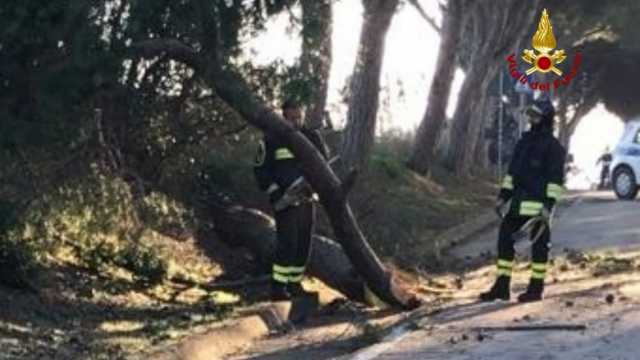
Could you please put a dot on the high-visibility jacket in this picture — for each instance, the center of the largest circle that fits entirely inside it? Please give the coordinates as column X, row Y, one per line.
column 276, row 167
column 536, row 173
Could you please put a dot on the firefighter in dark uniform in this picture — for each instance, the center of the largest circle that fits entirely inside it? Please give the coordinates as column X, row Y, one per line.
column 533, row 185
column 606, row 160
column 277, row 172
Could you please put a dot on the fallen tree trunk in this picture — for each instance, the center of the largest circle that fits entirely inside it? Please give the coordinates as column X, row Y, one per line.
column 333, row 192
column 253, row 229
column 233, row 89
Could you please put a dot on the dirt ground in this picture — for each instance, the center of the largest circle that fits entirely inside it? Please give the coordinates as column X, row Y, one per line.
column 608, row 305
column 74, row 313
column 596, row 292
column 594, row 281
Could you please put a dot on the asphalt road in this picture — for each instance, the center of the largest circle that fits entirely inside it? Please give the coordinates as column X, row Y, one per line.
column 596, row 221
column 576, row 294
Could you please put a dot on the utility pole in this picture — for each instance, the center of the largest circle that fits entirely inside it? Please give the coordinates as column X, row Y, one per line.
column 500, row 121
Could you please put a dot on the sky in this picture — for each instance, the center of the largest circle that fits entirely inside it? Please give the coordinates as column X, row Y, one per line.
column 410, row 58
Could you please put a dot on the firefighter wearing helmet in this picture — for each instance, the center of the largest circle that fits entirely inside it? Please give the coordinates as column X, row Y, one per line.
column 528, row 194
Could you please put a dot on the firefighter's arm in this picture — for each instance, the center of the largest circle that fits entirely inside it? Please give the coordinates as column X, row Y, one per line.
column 554, row 186
column 506, row 187
column 264, row 170
column 316, row 139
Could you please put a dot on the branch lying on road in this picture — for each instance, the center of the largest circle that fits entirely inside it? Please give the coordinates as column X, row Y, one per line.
column 553, row 327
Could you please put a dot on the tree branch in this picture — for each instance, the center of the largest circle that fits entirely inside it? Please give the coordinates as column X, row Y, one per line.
column 173, row 48
column 591, row 32
column 443, row 7
column 430, row 20
column 234, row 131
column 581, row 111
column 349, row 181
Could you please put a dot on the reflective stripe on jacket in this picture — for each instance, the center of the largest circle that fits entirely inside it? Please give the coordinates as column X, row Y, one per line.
column 536, row 173
column 276, row 166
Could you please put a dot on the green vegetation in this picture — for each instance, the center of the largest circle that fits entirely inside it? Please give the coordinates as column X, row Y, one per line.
column 99, row 222
column 402, row 212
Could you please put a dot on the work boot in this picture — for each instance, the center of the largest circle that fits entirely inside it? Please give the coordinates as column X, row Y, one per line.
column 296, row 290
column 279, row 291
column 499, row 291
column 534, row 291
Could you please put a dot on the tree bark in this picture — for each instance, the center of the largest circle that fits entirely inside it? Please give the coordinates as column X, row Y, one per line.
column 425, row 142
column 467, row 124
column 317, row 21
column 481, row 153
column 365, row 85
column 563, row 125
column 497, row 27
column 254, row 230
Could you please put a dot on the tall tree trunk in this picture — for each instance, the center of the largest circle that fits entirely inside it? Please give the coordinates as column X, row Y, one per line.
column 425, row 142
column 481, row 154
column 497, row 28
column 365, row 85
column 563, row 125
column 468, row 122
column 317, row 21
column 468, row 118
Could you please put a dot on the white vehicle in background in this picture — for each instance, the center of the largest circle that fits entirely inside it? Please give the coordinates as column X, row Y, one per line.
column 625, row 167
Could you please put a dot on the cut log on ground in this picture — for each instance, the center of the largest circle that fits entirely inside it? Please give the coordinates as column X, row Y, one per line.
column 255, row 230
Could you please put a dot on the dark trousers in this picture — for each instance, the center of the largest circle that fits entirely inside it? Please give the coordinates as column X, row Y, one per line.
column 604, row 175
column 506, row 250
column 294, row 227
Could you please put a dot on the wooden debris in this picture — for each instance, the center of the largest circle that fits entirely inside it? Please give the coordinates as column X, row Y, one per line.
column 550, row 327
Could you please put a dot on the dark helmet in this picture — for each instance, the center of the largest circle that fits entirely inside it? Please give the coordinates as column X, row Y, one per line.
column 544, row 109
column 290, row 103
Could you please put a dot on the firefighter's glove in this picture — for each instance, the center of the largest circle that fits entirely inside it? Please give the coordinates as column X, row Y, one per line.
column 545, row 214
column 500, row 208
column 275, row 193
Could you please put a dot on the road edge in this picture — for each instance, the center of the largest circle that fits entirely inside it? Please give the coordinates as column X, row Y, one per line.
column 466, row 232
column 227, row 338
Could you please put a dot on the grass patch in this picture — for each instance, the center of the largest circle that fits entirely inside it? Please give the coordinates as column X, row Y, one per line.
column 402, row 212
